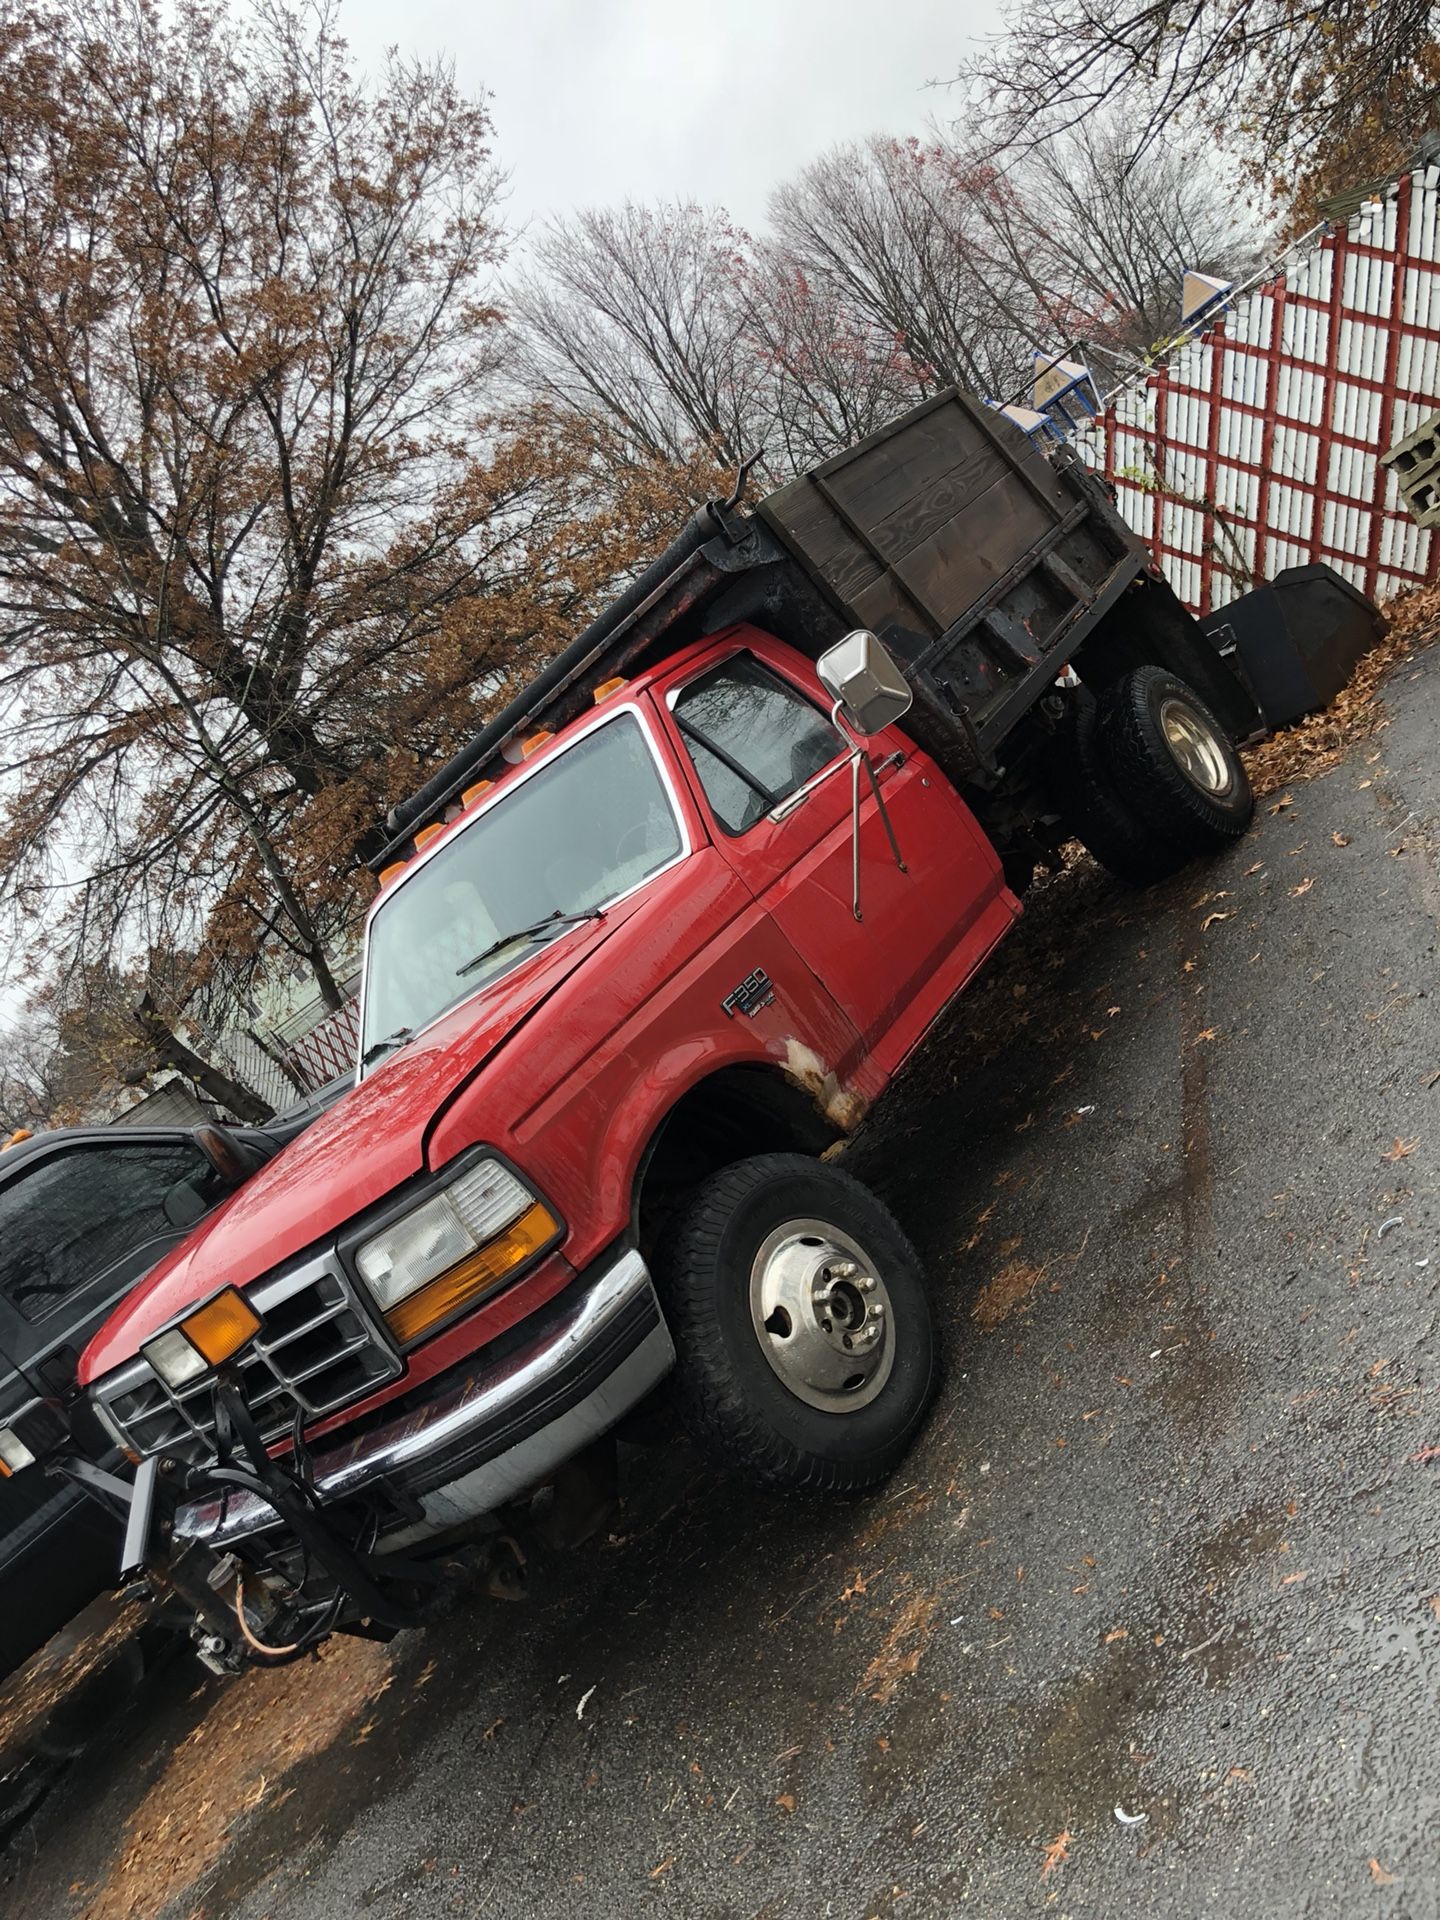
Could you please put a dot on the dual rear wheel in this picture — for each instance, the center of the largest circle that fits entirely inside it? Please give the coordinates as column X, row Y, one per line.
column 1147, row 778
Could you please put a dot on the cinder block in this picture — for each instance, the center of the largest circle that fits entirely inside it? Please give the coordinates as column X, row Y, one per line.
column 1415, row 462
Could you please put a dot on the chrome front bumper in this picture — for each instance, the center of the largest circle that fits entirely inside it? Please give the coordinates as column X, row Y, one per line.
column 501, row 1428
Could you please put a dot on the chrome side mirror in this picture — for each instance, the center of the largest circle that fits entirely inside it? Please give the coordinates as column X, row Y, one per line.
column 869, row 687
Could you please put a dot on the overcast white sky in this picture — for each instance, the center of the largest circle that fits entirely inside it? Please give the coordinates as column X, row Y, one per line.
column 597, row 100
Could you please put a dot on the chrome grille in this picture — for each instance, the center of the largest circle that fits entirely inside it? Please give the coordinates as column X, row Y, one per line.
column 316, row 1351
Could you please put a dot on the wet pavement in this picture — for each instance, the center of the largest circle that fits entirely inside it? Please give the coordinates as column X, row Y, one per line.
column 1150, row 1621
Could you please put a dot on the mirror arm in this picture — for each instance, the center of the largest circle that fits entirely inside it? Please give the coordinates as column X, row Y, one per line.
column 884, row 814
column 859, row 752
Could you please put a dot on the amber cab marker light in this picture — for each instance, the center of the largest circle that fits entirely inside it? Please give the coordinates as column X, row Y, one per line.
column 607, row 687
column 392, row 872
column 427, row 834
column 475, row 1276
column 473, row 793
column 516, row 752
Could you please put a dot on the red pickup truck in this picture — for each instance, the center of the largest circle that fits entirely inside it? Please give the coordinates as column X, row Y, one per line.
column 644, row 951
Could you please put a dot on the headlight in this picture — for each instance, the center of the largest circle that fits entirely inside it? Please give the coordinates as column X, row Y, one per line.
column 37, row 1431
column 454, row 1248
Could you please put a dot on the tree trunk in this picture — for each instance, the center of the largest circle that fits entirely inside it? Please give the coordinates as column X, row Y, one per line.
column 170, row 1051
column 282, row 1062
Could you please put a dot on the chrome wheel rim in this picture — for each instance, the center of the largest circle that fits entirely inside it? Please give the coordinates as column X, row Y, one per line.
column 1194, row 748
column 822, row 1315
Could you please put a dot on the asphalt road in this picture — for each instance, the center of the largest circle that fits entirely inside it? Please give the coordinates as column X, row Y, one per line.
column 1167, row 1547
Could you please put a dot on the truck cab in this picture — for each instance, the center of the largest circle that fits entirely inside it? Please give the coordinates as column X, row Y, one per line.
column 641, row 933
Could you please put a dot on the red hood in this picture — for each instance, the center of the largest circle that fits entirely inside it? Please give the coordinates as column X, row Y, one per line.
column 365, row 1146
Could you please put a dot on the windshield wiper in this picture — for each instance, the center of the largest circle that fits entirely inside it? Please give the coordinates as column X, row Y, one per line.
column 386, row 1045
column 556, row 920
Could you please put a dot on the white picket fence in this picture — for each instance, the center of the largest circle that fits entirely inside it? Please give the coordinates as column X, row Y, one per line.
column 1255, row 445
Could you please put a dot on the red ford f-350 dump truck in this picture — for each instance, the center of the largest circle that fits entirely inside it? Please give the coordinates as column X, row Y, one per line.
column 649, row 945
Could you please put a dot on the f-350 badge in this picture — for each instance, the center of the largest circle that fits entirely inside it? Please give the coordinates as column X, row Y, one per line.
column 755, row 991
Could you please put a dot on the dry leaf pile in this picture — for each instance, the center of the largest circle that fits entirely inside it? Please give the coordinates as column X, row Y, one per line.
column 1010, row 1289
column 258, row 1728
column 1321, row 740
column 31, row 1694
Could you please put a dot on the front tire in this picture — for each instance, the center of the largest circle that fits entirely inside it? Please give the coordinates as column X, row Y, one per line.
column 771, row 1279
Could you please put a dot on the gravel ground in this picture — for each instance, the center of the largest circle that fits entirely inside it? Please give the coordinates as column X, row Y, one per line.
column 1149, row 1621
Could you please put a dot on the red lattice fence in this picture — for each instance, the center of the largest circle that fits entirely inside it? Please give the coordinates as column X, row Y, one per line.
column 1256, row 445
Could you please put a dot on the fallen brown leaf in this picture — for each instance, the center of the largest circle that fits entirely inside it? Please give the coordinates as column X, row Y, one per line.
column 1208, row 1033
column 903, row 1648
column 1379, row 1875
column 1259, row 864
column 1304, row 887
column 1211, row 919
column 1057, row 1853
column 1285, row 800
column 1434, row 1604
column 1340, row 839
column 785, row 1801
column 664, row 1866
column 1424, row 1455
column 1401, row 1150
column 1117, row 1633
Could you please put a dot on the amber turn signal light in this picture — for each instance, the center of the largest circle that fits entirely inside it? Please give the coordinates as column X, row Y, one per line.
column 205, row 1338
column 222, row 1326
column 462, row 1285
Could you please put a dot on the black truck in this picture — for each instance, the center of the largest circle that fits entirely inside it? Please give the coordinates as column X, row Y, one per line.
column 85, row 1212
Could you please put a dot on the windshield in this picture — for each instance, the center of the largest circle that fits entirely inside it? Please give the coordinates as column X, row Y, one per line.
column 580, row 831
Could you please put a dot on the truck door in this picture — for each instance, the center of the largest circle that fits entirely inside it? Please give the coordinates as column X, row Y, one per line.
column 775, row 778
